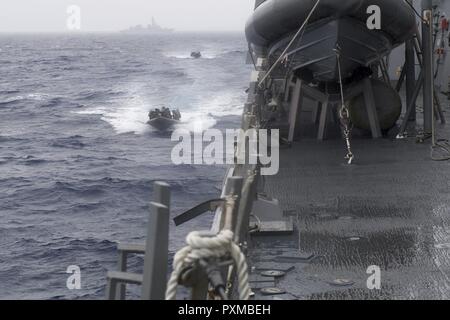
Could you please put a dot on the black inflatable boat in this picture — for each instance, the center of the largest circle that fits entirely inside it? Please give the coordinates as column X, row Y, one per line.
column 164, row 119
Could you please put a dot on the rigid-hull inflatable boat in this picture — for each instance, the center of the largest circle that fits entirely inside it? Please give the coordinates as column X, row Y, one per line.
column 335, row 24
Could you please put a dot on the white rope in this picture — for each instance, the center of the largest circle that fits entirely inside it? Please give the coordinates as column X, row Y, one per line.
column 203, row 247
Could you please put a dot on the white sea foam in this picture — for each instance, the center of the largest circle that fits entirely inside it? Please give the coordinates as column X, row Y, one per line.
column 178, row 55
column 31, row 96
column 132, row 115
column 206, row 54
column 38, row 96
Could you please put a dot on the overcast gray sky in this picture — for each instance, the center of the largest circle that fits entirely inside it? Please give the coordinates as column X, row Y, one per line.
column 112, row 15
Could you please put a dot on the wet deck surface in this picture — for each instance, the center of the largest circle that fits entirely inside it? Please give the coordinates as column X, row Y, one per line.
column 390, row 209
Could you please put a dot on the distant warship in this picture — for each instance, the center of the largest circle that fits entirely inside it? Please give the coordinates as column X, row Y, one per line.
column 153, row 28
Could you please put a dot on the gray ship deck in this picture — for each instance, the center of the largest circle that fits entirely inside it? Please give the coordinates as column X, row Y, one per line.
column 390, row 209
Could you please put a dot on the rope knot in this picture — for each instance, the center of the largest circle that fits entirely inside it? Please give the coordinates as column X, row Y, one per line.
column 204, row 245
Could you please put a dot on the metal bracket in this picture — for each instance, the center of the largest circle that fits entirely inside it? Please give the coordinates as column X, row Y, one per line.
column 193, row 213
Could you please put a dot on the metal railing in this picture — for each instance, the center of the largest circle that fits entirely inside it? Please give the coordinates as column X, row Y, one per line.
column 155, row 252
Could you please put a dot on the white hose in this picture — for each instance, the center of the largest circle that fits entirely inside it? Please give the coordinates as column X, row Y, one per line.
column 204, row 247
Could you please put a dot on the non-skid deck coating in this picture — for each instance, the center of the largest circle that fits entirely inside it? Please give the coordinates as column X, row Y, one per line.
column 390, row 209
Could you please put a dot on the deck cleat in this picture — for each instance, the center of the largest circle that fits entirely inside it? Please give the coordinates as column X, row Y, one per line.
column 272, row 291
column 273, row 273
column 342, row 283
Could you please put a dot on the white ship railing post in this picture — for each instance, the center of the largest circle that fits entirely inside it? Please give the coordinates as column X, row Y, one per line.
column 155, row 251
column 157, row 245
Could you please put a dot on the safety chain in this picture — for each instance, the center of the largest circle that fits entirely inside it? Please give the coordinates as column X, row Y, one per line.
column 344, row 113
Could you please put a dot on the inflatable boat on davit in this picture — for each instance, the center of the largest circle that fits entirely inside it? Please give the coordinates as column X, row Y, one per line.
column 334, row 22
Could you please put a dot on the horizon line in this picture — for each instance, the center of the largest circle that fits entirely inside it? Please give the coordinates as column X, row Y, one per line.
column 116, row 31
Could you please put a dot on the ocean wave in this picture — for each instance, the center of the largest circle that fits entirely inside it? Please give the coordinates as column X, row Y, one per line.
column 62, row 248
column 232, row 54
column 130, row 116
column 71, row 68
column 104, row 192
column 66, row 59
column 86, row 243
column 182, row 55
column 13, row 91
column 21, row 98
column 32, row 161
column 236, row 52
column 82, row 158
column 206, row 111
column 38, row 96
column 98, row 94
column 206, row 54
column 73, row 142
column 187, row 55
column 15, row 181
column 26, row 160
column 53, row 102
column 170, row 73
column 12, row 100
column 10, row 139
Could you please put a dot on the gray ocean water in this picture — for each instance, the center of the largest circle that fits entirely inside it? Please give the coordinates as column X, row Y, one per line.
column 77, row 159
